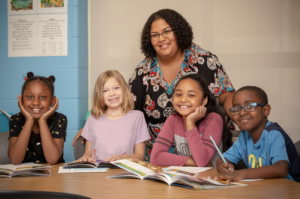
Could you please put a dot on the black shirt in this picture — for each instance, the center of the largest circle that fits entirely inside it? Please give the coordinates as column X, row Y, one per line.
column 57, row 124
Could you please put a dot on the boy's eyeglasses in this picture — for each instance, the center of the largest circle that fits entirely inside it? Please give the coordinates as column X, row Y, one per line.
column 165, row 33
column 248, row 108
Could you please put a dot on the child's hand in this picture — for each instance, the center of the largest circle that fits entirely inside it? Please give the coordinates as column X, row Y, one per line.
column 223, row 169
column 85, row 159
column 230, row 177
column 22, row 109
column 198, row 114
column 46, row 115
column 113, row 158
column 77, row 136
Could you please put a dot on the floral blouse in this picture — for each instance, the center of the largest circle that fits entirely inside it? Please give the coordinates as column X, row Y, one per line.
column 57, row 124
column 153, row 95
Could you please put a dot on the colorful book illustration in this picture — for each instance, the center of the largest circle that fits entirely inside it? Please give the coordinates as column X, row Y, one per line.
column 24, row 170
column 144, row 170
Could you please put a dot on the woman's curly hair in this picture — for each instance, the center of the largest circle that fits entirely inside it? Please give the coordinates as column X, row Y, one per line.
column 182, row 30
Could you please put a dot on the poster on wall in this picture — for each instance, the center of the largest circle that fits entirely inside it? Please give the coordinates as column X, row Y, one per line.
column 52, row 35
column 23, row 7
column 52, row 6
column 37, row 28
column 22, row 37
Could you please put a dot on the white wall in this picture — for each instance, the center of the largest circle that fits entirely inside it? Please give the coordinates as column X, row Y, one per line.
column 257, row 41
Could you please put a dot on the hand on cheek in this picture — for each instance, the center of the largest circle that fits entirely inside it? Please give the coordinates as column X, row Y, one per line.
column 22, row 109
column 52, row 110
column 198, row 114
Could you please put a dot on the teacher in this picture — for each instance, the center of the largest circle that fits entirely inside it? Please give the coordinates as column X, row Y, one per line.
column 170, row 54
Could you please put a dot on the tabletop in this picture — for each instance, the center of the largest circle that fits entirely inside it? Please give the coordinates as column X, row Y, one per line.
column 96, row 185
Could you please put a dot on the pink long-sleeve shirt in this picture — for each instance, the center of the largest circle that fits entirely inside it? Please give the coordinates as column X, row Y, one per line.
column 194, row 143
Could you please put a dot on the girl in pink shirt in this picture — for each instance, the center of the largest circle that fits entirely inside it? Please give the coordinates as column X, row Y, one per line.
column 198, row 116
column 113, row 130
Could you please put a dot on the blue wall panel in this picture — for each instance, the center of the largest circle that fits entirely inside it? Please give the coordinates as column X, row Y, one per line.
column 71, row 72
column 10, row 105
column 3, row 24
column 83, row 52
column 5, row 61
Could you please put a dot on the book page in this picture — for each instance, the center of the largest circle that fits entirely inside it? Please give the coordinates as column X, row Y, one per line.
column 81, row 170
column 187, row 171
column 33, row 172
column 134, row 167
column 5, row 172
column 202, row 183
column 14, row 167
column 83, row 164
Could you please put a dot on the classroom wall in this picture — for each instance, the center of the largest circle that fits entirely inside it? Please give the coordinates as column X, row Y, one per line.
column 71, row 72
column 257, row 41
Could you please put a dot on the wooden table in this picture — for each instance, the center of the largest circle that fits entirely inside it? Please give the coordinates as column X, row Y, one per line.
column 96, row 185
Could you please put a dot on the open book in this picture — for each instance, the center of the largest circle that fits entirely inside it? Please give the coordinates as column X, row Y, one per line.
column 85, row 164
column 24, row 170
column 86, row 167
column 144, row 170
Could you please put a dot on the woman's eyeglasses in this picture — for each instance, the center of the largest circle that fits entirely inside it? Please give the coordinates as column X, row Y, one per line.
column 248, row 108
column 165, row 33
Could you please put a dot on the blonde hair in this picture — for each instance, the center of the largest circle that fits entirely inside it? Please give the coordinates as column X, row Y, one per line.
column 99, row 107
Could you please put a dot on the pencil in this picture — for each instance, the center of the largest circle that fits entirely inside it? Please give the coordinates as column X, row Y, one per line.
column 219, row 151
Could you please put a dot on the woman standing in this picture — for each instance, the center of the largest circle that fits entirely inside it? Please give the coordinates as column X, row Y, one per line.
column 166, row 42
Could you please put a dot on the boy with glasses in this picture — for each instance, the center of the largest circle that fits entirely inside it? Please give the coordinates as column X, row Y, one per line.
column 265, row 148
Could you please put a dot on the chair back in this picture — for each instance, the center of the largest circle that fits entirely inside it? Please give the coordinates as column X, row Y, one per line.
column 235, row 135
column 4, row 159
column 78, row 149
column 297, row 145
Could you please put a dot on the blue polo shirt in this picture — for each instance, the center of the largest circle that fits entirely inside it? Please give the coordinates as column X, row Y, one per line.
column 269, row 149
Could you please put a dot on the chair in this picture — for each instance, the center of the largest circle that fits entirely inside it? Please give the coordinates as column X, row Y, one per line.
column 4, row 159
column 39, row 194
column 297, row 145
column 78, row 149
column 235, row 135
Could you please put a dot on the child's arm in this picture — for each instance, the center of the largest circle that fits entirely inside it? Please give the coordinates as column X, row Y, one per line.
column 139, row 153
column 87, row 156
column 18, row 145
column 77, row 136
column 277, row 170
column 52, row 148
column 277, row 154
column 160, row 153
column 201, row 147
